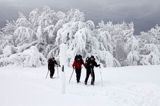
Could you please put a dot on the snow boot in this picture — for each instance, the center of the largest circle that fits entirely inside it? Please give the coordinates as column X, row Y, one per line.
column 78, row 81
column 92, row 83
column 85, row 83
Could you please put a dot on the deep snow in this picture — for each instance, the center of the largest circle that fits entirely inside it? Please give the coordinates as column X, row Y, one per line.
column 126, row 86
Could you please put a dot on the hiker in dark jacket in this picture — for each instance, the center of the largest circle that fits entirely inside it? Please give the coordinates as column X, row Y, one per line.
column 90, row 63
column 51, row 66
column 77, row 65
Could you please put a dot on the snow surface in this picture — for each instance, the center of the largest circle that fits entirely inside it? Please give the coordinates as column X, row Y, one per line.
column 126, row 86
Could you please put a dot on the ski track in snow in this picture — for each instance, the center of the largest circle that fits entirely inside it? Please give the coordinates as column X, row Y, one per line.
column 127, row 86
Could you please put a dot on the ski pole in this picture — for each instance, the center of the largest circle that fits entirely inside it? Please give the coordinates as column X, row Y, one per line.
column 47, row 74
column 92, row 73
column 57, row 72
column 63, row 79
column 71, row 75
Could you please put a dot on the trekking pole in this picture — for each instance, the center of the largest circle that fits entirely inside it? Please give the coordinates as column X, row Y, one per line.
column 57, row 72
column 47, row 74
column 63, row 79
column 71, row 75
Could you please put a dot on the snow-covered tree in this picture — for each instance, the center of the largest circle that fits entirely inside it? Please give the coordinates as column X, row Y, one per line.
column 74, row 35
column 75, row 15
column 8, row 50
column 33, row 17
column 10, row 27
column 133, row 58
column 150, row 37
column 8, row 31
column 149, row 46
column 1, row 40
column 33, row 58
column 119, row 38
column 22, row 21
column 23, row 35
column 152, row 56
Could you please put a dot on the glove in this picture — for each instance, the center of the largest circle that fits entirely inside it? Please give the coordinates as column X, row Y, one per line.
column 99, row 65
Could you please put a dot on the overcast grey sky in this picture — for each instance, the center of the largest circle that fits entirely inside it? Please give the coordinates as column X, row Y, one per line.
column 144, row 13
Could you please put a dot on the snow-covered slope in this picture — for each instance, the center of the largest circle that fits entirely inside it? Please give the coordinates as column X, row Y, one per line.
column 127, row 86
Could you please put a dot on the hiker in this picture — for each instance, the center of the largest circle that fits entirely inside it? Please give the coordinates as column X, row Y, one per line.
column 77, row 65
column 51, row 66
column 90, row 63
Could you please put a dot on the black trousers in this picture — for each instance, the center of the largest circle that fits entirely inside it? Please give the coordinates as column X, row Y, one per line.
column 90, row 72
column 78, row 74
column 52, row 73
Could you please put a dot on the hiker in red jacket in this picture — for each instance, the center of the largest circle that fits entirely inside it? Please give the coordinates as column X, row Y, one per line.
column 77, row 65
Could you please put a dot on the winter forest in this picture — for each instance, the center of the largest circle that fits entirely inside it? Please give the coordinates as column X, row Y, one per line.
column 30, row 40
column 123, row 67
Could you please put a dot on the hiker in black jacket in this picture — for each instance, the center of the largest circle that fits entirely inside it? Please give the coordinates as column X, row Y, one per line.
column 51, row 66
column 90, row 63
